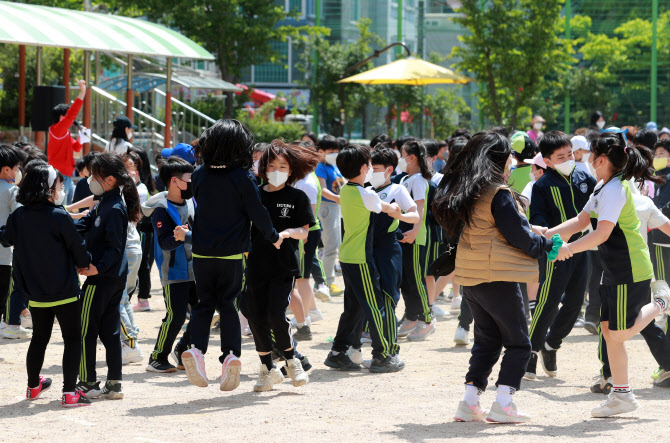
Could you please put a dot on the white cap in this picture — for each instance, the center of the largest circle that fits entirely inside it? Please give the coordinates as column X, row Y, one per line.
column 579, row 142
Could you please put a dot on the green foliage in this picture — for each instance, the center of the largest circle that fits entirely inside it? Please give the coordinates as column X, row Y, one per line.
column 512, row 48
column 265, row 128
column 448, row 112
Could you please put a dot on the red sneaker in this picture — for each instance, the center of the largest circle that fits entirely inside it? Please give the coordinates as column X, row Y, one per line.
column 34, row 393
column 75, row 400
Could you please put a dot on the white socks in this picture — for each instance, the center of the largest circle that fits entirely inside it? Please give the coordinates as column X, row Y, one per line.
column 472, row 394
column 504, row 396
column 547, row 347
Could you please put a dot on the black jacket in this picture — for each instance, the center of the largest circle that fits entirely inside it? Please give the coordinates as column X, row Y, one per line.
column 228, row 201
column 557, row 199
column 106, row 229
column 47, row 251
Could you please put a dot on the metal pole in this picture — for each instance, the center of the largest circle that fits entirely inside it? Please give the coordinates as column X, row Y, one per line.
column 66, row 73
column 482, row 86
column 129, row 88
column 22, row 89
column 315, row 70
column 39, row 135
column 421, row 50
column 568, row 36
column 399, row 53
column 168, row 105
column 87, row 98
column 654, row 61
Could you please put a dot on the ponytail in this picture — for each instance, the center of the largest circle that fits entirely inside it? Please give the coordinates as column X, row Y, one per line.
column 634, row 162
column 108, row 164
column 417, row 149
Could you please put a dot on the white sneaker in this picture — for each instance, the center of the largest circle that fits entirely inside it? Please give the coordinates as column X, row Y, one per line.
column 315, row 315
column 510, row 414
column 131, row 355
column 407, row 327
column 366, row 363
column 3, row 325
column 230, row 373
column 16, row 332
column 462, row 337
column 455, row 305
column 438, row 312
column 267, row 379
column 295, row 371
column 323, row 293
column 450, row 296
column 616, row 404
column 660, row 291
column 27, row 321
column 355, row 355
column 465, row 412
column 246, row 331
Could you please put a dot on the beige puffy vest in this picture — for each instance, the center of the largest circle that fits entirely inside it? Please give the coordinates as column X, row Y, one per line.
column 483, row 254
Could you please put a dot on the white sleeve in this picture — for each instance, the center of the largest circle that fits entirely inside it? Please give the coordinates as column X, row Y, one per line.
column 418, row 188
column 404, row 200
column 611, row 202
column 371, row 200
column 309, row 188
column 437, row 178
column 527, row 191
column 588, row 207
column 656, row 217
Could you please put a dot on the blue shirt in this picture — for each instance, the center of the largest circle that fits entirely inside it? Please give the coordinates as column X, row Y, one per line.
column 333, row 178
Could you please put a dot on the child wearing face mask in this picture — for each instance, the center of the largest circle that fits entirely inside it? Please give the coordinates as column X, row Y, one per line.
column 271, row 271
column 172, row 215
column 106, row 229
column 42, row 226
column 560, row 195
column 10, row 177
column 581, row 151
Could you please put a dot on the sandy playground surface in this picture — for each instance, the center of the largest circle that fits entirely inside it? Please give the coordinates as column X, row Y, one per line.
column 416, row 404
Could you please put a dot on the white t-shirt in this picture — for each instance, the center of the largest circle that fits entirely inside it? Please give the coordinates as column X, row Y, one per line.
column 119, row 148
column 371, row 200
column 528, row 191
column 416, row 185
column 398, row 194
column 650, row 216
column 608, row 203
column 308, row 186
column 437, row 178
column 142, row 191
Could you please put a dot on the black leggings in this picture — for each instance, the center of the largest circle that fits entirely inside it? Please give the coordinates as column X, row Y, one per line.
column 144, row 273
column 69, row 319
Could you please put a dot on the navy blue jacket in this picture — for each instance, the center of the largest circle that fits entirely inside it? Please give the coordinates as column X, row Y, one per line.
column 106, row 229
column 662, row 202
column 228, row 202
column 557, row 199
column 47, row 251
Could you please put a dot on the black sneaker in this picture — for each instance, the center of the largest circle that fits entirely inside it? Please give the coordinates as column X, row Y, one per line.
column 591, row 326
column 303, row 334
column 388, row 364
column 602, row 385
column 112, row 391
column 531, row 369
column 90, row 390
column 176, row 356
column 160, row 366
column 341, row 362
column 549, row 362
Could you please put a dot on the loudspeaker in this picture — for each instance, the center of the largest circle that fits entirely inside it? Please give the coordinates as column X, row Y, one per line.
column 45, row 98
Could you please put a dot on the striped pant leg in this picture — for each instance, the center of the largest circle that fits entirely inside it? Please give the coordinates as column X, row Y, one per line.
column 176, row 304
column 90, row 311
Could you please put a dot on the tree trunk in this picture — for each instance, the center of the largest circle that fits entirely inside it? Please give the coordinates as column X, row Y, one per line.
column 230, row 97
column 492, row 89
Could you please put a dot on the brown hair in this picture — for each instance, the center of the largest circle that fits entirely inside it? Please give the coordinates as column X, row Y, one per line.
column 133, row 157
column 301, row 160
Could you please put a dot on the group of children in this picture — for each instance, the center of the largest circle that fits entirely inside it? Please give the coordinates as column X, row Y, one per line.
column 234, row 228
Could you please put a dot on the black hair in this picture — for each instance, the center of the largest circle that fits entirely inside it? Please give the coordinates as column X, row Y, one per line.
column 384, row 156
column 343, row 142
column 118, row 134
column 9, row 156
column 88, row 158
column 416, row 148
column 633, row 162
column 461, row 132
column 301, row 160
column 145, row 171
column 33, row 152
column 327, row 142
column 592, row 136
column 646, row 138
column 32, row 164
column 228, row 143
column 397, row 143
column 502, row 130
column 58, row 111
column 432, row 146
column 109, row 164
column 665, row 144
column 381, row 138
column 312, row 136
column 595, row 117
column 35, row 187
column 467, row 176
column 351, row 159
column 174, row 167
column 553, row 140
column 80, row 165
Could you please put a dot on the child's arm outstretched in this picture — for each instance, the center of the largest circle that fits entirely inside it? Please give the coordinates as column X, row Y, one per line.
column 76, row 244
column 296, row 233
column 570, row 227
column 257, row 213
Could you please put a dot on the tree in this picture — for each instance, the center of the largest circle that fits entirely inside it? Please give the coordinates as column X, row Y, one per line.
column 512, row 48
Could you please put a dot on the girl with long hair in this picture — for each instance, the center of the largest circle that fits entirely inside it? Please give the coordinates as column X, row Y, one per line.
column 496, row 251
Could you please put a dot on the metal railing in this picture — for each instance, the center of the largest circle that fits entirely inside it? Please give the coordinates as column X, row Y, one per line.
column 187, row 122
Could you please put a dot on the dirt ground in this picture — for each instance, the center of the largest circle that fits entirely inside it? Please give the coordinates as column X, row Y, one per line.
column 416, row 404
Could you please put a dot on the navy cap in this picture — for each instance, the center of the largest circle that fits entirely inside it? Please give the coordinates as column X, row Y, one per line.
column 124, row 122
column 182, row 150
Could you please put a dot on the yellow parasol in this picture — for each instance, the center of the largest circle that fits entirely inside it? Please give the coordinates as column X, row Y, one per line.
column 408, row 71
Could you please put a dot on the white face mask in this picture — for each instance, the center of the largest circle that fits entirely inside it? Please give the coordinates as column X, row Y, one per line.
column 565, row 168
column 60, row 197
column 600, row 125
column 537, row 126
column 402, row 165
column 532, row 177
column 254, row 168
column 277, row 178
column 514, row 163
column 378, row 179
column 18, row 177
column 585, row 157
column 368, row 175
column 95, row 187
column 331, row 159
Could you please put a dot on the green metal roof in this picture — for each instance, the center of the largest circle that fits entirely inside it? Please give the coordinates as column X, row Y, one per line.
column 36, row 25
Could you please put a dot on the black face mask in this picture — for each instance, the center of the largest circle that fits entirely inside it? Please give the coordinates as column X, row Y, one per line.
column 188, row 192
